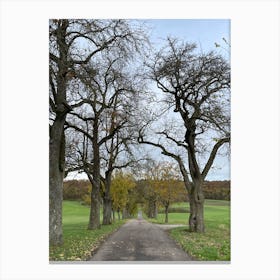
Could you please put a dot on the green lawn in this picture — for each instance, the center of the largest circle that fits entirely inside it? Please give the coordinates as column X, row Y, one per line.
column 214, row 244
column 78, row 241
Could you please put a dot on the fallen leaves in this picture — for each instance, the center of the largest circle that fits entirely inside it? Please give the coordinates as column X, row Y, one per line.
column 79, row 243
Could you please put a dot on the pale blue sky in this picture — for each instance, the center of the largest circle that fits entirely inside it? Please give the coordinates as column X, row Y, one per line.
column 204, row 32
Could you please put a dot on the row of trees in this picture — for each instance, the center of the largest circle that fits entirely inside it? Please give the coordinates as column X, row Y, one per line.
column 99, row 110
column 161, row 187
column 143, row 192
column 92, row 100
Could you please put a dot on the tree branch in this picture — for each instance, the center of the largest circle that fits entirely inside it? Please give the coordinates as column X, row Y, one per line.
column 164, row 151
column 69, row 125
column 178, row 143
column 81, row 118
column 53, row 57
column 213, row 155
column 112, row 133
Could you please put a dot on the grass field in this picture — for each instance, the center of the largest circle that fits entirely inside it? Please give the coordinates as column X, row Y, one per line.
column 214, row 244
column 78, row 241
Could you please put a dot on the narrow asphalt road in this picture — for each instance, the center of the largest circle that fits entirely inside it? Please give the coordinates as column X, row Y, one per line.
column 139, row 240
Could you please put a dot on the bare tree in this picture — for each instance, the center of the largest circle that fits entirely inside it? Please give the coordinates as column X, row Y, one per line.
column 102, row 117
column 75, row 43
column 118, row 155
column 197, row 86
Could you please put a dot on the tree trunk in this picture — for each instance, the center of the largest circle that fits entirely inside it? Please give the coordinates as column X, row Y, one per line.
column 119, row 217
column 196, row 218
column 57, row 141
column 124, row 213
column 107, row 211
column 152, row 209
column 156, row 210
column 166, row 213
column 107, row 201
column 113, row 214
column 94, row 218
column 56, row 175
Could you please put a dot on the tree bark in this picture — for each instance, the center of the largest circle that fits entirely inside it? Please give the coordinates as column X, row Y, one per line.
column 119, row 217
column 166, row 213
column 57, row 140
column 107, row 211
column 94, row 217
column 196, row 218
column 107, row 201
column 56, row 175
column 152, row 209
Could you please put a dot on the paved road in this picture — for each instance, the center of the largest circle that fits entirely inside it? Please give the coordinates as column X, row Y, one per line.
column 139, row 240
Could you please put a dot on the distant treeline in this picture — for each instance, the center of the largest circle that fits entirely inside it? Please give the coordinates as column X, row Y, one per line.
column 80, row 189
column 217, row 190
column 75, row 189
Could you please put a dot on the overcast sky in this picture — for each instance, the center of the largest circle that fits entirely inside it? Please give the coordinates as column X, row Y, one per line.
column 205, row 33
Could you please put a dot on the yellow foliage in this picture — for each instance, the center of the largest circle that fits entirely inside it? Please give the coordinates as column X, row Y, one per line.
column 121, row 185
column 166, row 182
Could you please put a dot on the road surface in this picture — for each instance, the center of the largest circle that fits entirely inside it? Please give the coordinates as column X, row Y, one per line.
column 139, row 240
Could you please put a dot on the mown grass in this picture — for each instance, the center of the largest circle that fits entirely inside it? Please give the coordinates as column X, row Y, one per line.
column 78, row 241
column 214, row 244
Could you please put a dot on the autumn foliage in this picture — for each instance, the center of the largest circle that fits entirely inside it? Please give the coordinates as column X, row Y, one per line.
column 75, row 189
column 121, row 193
column 219, row 190
column 79, row 190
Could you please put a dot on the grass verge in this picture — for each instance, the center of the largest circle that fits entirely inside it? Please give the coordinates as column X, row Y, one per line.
column 214, row 244
column 79, row 243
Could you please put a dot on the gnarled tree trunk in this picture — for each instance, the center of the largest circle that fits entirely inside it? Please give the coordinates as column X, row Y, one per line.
column 56, row 175
column 196, row 218
column 57, row 137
